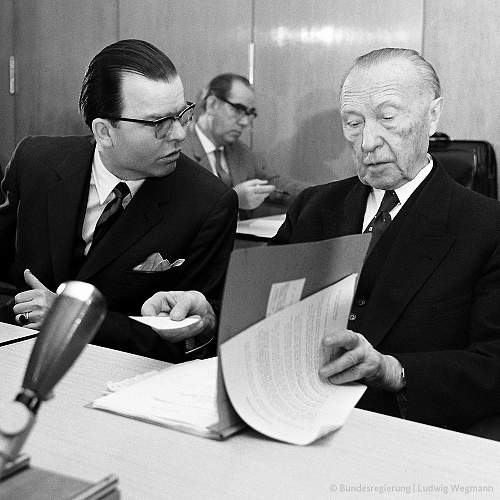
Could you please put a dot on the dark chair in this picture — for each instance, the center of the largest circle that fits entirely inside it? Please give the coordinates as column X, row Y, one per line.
column 471, row 163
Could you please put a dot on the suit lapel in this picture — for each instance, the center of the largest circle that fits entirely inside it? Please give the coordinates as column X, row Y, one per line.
column 196, row 149
column 417, row 250
column 143, row 213
column 349, row 220
column 67, row 190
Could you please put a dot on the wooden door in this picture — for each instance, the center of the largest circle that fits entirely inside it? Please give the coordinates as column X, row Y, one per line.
column 55, row 41
column 7, row 117
column 203, row 38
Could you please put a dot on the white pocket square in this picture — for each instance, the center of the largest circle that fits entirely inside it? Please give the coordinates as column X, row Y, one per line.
column 156, row 263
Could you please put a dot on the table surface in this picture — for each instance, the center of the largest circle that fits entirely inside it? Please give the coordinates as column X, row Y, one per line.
column 370, row 451
column 12, row 333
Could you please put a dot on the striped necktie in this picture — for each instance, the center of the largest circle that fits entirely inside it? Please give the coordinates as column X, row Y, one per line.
column 382, row 218
column 111, row 212
column 224, row 176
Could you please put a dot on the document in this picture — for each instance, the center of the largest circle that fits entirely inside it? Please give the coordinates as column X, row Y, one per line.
column 164, row 323
column 271, row 369
column 12, row 333
column 181, row 397
column 261, row 227
column 279, row 302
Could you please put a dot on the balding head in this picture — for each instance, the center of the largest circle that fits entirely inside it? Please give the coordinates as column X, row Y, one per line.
column 390, row 104
column 428, row 78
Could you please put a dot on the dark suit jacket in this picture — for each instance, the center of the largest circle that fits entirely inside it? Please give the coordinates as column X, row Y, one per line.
column 435, row 301
column 245, row 165
column 189, row 214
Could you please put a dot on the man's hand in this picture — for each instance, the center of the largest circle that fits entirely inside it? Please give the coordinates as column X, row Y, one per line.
column 252, row 193
column 357, row 360
column 179, row 305
column 32, row 305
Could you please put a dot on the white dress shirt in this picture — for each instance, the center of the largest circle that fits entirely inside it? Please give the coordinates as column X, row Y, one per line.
column 209, row 147
column 102, row 183
column 404, row 192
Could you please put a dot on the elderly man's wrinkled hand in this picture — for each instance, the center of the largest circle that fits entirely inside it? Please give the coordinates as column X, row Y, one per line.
column 355, row 359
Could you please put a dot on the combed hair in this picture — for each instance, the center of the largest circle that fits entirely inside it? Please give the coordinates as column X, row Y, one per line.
column 101, row 87
column 424, row 68
column 220, row 86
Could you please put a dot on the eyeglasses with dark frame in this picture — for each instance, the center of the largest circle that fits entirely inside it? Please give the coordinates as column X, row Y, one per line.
column 163, row 126
column 241, row 109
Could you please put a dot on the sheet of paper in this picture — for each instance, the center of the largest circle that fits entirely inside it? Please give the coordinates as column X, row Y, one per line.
column 9, row 333
column 271, row 369
column 284, row 294
column 182, row 397
column 160, row 323
column 262, row 227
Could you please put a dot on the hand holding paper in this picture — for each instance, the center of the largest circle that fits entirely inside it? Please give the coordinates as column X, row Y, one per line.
column 179, row 305
column 359, row 360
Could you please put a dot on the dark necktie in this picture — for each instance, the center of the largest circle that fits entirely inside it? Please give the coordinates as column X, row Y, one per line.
column 382, row 218
column 111, row 212
column 224, row 176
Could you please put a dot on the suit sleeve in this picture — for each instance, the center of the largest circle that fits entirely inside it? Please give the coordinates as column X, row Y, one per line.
column 456, row 388
column 286, row 231
column 210, row 250
column 8, row 214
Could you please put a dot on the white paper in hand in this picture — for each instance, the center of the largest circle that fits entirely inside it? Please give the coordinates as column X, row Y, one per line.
column 164, row 323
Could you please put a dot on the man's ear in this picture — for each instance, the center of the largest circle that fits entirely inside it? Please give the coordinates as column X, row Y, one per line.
column 211, row 104
column 103, row 133
column 435, row 110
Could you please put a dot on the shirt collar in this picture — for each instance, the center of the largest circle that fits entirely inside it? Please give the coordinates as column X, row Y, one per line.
column 406, row 190
column 206, row 143
column 105, row 181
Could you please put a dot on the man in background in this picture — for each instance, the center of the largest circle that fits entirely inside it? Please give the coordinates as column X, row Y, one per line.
column 424, row 328
column 122, row 209
column 227, row 110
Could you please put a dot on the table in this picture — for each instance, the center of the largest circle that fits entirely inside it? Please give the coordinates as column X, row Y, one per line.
column 370, row 451
column 12, row 333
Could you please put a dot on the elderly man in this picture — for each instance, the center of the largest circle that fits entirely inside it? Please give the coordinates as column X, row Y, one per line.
column 424, row 329
column 228, row 108
column 122, row 209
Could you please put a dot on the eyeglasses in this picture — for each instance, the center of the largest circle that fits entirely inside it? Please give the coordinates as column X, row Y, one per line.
column 240, row 109
column 163, row 126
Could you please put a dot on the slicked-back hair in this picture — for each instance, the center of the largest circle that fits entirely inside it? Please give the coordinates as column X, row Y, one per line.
column 220, row 86
column 423, row 67
column 101, row 93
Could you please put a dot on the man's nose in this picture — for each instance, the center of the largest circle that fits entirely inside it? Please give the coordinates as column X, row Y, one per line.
column 244, row 120
column 371, row 137
column 177, row 132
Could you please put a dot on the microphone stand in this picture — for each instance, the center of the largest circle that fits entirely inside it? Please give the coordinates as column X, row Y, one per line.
column 69, row 326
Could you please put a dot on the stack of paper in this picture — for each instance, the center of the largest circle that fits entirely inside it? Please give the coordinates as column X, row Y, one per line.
column 270, row 350
column 181, row 397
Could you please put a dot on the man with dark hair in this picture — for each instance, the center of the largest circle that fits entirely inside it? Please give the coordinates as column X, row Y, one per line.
column 424, row 328
column 227, row 109
column 122, row 209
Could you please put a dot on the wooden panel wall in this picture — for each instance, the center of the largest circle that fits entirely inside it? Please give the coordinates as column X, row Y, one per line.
column 54, row 40
column 6, row 100
column 303, row 48
column 202, row 38
column 462, row 41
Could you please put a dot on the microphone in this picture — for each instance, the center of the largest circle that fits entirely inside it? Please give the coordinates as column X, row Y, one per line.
column 69, row 326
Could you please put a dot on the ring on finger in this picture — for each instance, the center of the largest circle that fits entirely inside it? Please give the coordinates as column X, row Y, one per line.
column 24, row 318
